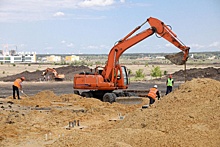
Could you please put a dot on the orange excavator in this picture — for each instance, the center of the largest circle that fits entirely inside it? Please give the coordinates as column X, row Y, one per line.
column 103, row 82
column 56, row 76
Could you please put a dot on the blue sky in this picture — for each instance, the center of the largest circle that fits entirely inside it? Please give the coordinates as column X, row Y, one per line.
column 93, row 26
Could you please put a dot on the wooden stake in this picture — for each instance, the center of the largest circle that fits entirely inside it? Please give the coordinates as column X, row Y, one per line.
column 185, row 71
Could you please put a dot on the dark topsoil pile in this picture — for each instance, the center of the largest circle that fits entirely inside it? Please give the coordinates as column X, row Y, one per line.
column 210, row 72
column 69, row 71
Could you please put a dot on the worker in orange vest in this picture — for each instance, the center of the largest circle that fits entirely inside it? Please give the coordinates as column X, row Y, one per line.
column 17, row 86
column 153, row 94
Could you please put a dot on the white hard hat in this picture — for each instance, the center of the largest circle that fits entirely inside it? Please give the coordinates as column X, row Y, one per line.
column 23, row 78
column 155, row 86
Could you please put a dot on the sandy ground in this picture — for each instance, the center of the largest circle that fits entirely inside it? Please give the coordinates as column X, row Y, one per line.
column 189, row 116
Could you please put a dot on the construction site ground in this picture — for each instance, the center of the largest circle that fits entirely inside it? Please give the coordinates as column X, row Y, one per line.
column 50, row 115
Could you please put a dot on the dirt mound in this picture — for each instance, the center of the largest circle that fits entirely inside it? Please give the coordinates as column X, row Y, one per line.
column 210, row 72
column 189, row 116
column 68, row 71
column 28, row 120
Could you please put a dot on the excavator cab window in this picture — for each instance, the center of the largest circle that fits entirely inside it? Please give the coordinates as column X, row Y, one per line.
column 125, row 75
column 100, row 71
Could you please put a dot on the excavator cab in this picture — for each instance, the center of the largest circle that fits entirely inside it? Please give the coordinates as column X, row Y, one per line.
column 122, row 78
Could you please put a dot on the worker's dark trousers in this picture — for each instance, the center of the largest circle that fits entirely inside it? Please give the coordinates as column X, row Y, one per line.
column 151, row 100
column 169, row 89
column 14, row 90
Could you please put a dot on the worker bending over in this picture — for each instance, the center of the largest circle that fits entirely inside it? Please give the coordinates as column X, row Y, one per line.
column 153, row 93
column 17, row 86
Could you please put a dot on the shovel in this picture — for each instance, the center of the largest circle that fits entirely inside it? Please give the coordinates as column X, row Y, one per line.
column 24, row 93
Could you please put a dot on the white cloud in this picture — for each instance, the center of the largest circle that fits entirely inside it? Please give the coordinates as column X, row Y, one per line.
column 32, row 10
column 70, row 45
column 198, row 46
column 99, row 47
column 169, row 45
column 58, row 14
column 48, row 48
column 214, row 44
column 92, row 3
column 63, row 41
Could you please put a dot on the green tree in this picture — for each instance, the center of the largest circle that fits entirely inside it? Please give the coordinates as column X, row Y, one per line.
column 98, row 62
column 129, row 72
column 139, row 73
column 156, row 72
column 165, row 72
column 146, row 64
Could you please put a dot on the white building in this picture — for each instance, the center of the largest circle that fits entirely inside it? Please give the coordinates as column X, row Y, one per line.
column 20, row 58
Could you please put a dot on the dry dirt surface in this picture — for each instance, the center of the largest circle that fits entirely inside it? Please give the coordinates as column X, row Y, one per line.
column 188, row 116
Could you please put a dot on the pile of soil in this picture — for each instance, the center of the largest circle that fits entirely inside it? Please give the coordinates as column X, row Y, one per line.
column 26, row 122
column 188, row 116
column 68, row 71
column 209, row 72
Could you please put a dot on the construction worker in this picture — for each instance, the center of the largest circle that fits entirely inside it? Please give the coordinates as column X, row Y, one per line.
column 153, row 93
column 169, row 83
column 17, row 86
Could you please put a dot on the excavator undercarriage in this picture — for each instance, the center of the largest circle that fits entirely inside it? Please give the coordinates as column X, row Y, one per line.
column 121, row 96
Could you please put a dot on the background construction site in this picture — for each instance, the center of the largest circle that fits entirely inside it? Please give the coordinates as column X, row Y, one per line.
column 186, row 117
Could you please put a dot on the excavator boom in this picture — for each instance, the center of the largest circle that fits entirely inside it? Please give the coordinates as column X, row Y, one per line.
column 157, row 27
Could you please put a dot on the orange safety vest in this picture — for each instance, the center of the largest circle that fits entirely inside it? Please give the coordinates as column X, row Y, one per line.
column 17, row 83
column 153, row 93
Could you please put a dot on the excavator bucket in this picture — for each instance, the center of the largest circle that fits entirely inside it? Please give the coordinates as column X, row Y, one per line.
column 133, row 100
column 176, row 58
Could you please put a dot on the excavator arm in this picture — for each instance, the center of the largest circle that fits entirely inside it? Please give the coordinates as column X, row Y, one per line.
column 157, row 27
